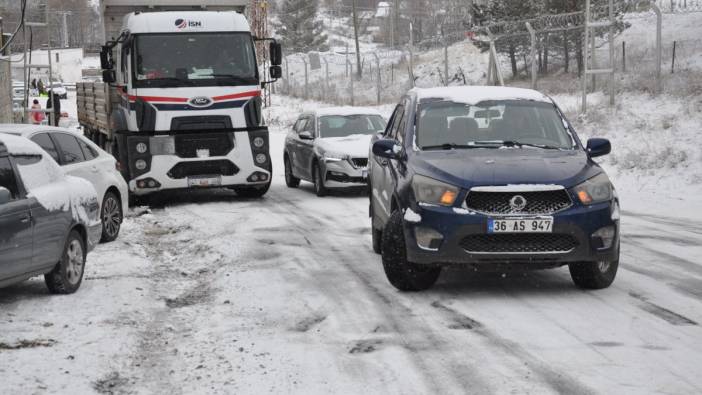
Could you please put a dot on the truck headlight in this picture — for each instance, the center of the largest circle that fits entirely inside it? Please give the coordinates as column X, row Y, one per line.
column 429, row 190
column 330, row 156
column 162, row 145
column 140, row 164
column 258, row 142
column 598, row 189
column 261, row 159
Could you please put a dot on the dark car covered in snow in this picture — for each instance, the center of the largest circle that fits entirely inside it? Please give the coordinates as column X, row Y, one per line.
column 490, row 178
column 48, row 221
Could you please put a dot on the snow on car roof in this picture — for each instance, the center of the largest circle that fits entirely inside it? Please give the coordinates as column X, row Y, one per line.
column 24, row 129
column 347, row 110
column 477, row 94
column 16, row 145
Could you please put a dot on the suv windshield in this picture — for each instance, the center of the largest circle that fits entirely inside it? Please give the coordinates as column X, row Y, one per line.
column 198, row 59
column 346, row 125
column 493, row 124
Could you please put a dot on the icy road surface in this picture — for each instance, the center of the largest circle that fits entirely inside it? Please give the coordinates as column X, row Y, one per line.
column 215, row 294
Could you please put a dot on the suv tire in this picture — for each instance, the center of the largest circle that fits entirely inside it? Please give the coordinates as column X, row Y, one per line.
column 403, row 275
column 290, row 180
column 111, row 215
column 67, row 275
column 593, row 275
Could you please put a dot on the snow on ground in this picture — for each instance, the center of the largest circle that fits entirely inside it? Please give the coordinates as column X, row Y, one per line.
column 210, row 293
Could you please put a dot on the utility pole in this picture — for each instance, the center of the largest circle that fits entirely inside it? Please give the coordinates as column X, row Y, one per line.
column 355, row 32
column 64, row 27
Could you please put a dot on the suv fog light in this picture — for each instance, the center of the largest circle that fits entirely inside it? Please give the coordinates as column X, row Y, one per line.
column 605, row 236
column 428, row 238
column 261, row 159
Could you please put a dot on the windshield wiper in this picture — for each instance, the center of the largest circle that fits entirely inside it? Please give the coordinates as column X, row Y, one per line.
column 512, row 143
column 236, row 78
column 449, row 146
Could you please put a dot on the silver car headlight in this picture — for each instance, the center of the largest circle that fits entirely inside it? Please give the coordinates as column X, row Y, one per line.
column 331, row 156
column 429, row 190
column 597, row 189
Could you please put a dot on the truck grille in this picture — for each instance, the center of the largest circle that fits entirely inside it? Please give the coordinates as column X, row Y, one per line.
column 219, row 144
column 537, row 203
column 203, row 168
column 359, row 162
column 519, row 243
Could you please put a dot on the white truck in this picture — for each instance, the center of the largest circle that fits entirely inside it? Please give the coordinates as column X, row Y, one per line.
column 180, row 105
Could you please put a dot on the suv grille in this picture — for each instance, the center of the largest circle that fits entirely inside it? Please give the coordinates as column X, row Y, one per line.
column 541, row 202
column 519, row 243
column 359, row 162
column 219, row 144
column 203, row 168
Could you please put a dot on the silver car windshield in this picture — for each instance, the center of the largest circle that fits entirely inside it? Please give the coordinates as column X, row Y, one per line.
column 346, row 125
column 493, row 124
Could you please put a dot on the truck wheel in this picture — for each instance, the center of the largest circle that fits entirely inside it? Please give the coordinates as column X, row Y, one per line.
column 319, row 187
column 252, row 192
column 111, row 217
column 67, row 275
column 290, row 180
column 593, row 275
column 403, row 275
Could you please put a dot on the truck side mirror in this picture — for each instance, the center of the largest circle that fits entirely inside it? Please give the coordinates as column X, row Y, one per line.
column 108, row 76
column 276, row 54
column 106, row 62
column 275, row 72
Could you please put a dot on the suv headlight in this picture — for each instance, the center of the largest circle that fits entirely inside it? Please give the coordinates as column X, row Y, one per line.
column 598, row 189
column 429, row 190
column 331, row 156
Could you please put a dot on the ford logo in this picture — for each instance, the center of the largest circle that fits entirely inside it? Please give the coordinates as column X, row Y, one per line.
column 200, row 101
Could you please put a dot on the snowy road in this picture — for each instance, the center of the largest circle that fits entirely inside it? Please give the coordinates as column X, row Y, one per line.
column 214, row 294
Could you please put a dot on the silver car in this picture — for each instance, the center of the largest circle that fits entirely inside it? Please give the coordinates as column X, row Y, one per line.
column 329, row 147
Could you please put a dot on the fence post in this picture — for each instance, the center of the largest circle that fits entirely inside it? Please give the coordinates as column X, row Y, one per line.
column 583, row 77
column 287, row 76
column 532, row 35
column 593, row 57
column 307, row 92
column 446, row 65
column 624, row 56
column 411, row 54
column 347, row 60
column 377, row 80
column 351, row 78
column 672, row 67
column 326, row 78
column 659, row 46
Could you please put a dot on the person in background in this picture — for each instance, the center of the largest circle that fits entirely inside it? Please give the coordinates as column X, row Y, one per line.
column 40, row 87
column 37, row 117
column 54, row 103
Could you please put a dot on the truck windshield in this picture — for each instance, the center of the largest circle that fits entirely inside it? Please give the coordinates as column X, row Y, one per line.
column 197, row 59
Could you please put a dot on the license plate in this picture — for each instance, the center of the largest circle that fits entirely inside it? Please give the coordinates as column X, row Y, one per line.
column 204, row 181
column 521, row 225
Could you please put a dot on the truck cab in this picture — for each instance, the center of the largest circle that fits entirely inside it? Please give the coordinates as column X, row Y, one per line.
column 186, row 102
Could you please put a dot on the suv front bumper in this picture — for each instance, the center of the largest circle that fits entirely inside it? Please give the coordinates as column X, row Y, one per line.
column 577, row 224
column 342, row 174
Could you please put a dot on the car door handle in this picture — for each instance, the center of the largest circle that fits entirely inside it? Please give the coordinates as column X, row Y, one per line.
column 25, row 219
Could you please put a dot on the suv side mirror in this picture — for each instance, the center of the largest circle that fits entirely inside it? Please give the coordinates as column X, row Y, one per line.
column 5, row 195
column 387, row 148
column 598, row 147
column 275, row 72
column 306, row 136
column 276, row 53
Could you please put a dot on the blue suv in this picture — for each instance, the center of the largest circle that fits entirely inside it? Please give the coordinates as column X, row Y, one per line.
column 490, row 178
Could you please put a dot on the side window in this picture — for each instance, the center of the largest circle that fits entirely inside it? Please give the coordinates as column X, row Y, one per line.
column 309, row 126
column 394, row 118
column 45, row 142
column 300, row 126
column 72, row 153
column 402, row 129
column 88, row 151
column 397, row 121
column 7, row 177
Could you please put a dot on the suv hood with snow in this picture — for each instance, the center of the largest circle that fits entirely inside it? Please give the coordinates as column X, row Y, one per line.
column 492, row 167
column 356, row 145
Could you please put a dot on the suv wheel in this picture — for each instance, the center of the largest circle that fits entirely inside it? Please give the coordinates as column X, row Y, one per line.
column 594, row 275
column 403, row 275
column 67, row 275
column 319, row 187
column 376, row 234
column 290, row 180
column 111, row 216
